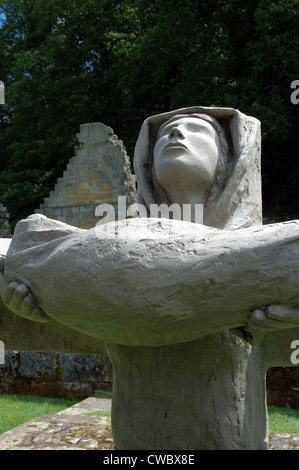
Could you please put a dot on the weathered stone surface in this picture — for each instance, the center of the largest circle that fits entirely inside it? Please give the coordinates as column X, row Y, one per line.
column 19, row 334
column 4, row 223
column 198, row 287
column 284, row 441
column 61, row 375
column 72, row 429
column 98, row 173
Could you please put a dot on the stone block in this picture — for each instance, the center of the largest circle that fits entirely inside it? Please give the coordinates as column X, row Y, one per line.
column 37, row 364
column 66, row 376
column 94, row 132
column 98, row 173
column 4, row 222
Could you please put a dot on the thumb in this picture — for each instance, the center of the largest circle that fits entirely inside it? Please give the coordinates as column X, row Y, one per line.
column 3, row 283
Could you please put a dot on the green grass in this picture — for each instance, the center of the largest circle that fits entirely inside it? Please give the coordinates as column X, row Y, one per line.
column 283, row 419
column 18, row 409
column 104, row 413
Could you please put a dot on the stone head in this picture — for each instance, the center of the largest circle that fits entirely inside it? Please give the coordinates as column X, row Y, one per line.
column 190, row 150
column 213, row 149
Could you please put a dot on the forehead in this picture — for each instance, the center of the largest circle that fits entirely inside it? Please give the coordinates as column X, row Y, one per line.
column 190, row 123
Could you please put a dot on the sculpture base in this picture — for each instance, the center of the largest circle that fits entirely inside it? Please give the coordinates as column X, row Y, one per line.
column 207, row 394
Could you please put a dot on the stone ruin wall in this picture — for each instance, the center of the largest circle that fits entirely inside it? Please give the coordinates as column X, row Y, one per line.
column 98, row 173
column 66, row 376
column 4, row 223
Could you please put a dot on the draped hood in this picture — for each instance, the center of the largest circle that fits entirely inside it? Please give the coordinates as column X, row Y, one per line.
column 239, row 204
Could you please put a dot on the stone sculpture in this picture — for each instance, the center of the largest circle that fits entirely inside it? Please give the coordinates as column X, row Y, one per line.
column 191, row 314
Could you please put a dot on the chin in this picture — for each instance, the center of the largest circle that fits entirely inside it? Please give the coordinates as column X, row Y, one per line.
column 177, row 172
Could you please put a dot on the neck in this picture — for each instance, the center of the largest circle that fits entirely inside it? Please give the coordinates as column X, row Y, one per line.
column 191, row 202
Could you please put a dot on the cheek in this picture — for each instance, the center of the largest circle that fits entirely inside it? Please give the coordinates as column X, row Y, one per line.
column 158, row 148
column 206, row 151
column 200, row 142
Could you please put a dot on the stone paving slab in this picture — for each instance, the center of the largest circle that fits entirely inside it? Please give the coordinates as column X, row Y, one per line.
column 284, row 441
column 70, row 429
column 76, row 429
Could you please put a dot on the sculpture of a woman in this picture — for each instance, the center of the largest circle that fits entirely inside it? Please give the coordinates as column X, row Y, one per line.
column 183, row 307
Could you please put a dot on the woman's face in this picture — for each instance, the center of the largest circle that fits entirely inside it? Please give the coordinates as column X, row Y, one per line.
column 187, row 149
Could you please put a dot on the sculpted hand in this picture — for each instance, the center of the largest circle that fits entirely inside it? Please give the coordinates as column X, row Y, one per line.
column 274, row 317
column 18, row 298
column 2, row 281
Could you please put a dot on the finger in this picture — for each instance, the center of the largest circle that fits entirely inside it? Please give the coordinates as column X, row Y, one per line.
column 18, row 298
column 31, row 311
column 13, row 294
column 258, row 316
column 39, row 315
column 258, row 322
column 2, row 264
column 283, row 313
column 29, row 302
column 21, row 291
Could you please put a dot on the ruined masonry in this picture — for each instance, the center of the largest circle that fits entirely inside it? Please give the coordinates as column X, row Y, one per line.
column 98, row 173
column 4, row 223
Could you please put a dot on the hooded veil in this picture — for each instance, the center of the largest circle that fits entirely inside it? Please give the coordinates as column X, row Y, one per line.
column 239, row 203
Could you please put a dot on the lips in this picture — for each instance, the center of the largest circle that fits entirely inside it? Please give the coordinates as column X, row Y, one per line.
column 175, row 145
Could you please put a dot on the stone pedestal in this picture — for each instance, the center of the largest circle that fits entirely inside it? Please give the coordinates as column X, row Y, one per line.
column 207, row 394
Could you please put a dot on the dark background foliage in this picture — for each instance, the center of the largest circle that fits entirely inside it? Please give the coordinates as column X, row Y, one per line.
column 117, row 62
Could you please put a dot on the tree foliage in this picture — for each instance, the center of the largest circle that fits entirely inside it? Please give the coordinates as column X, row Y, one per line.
column 117, row 62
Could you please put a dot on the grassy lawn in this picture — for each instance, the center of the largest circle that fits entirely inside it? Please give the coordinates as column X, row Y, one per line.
column 18, row 409
column 283, row 419
column 104, row 413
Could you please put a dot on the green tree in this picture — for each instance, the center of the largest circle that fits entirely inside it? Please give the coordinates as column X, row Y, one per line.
column 117, row 62
column 58, row 65
column 227, row 53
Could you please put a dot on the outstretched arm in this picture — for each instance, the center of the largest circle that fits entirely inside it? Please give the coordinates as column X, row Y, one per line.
column 164, row 287
column 37, row 230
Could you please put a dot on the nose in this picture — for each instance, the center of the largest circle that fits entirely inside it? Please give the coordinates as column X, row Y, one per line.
column 176, row 133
